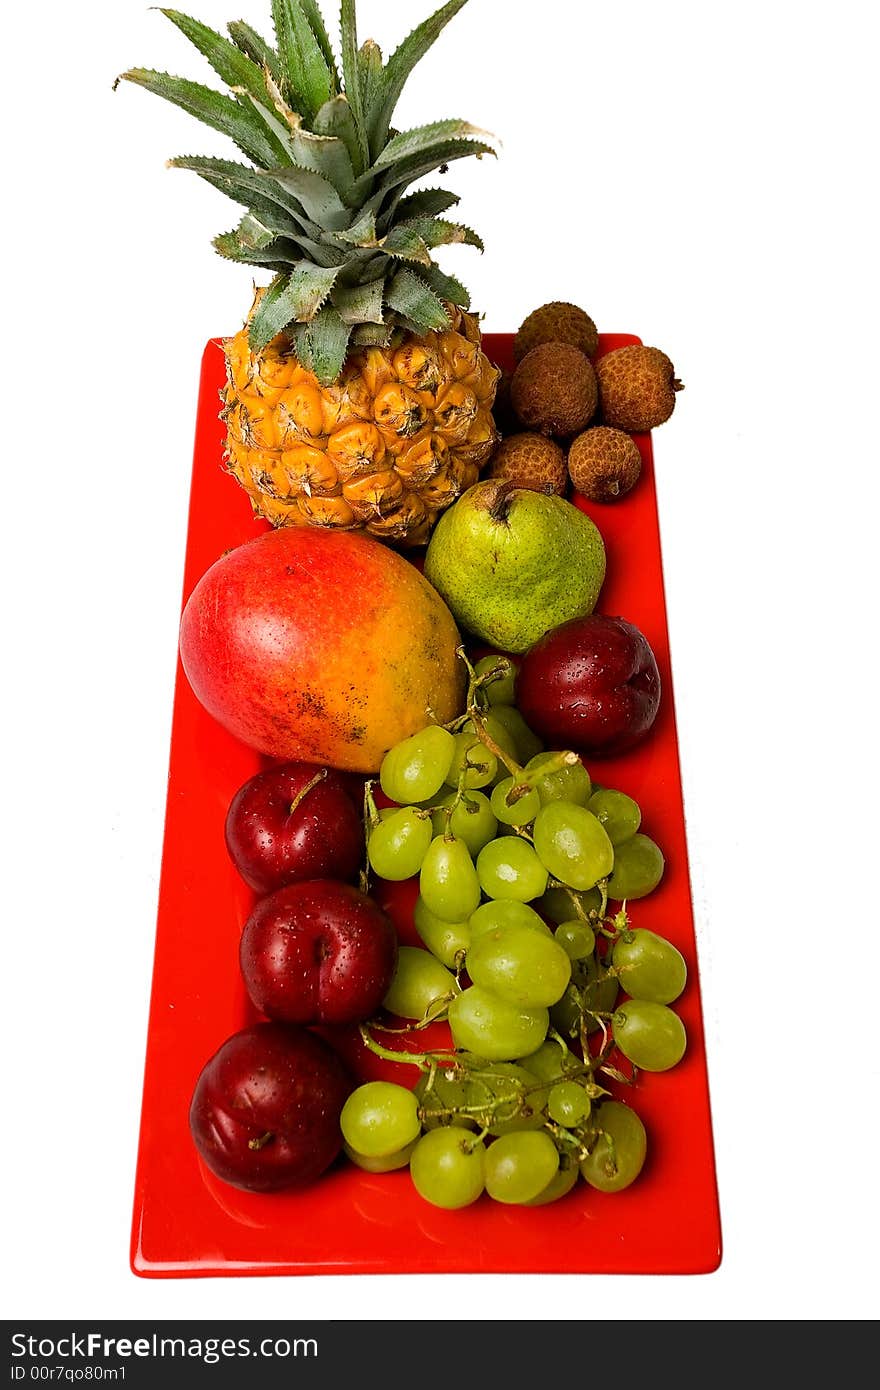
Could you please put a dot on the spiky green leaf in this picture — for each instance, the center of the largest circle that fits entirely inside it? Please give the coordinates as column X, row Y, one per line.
column 267, row 113
column 233, row 66
column 319, row 29
column 272, row 232
column 307, row 79
column 426, row 202
column 360, row 303
column 397, row 70
column 371, row 335
column 443, row 285
column 255, row 47
column 326, row 155
column 224, row 113
column 318, row 197
column 424, row 139
column 405, row 244
column 293, row 298
column 435, row 231
column 352, row 79
column 252, row 187
column 412, row 298
column 370, row 69
column 277, row 254
column 336, row 118
column 406, row 171
column 322, row 345
column 361, row 233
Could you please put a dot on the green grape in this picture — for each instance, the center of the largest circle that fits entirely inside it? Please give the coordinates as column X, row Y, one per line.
column 511, row 869
column 649, row 966
column 520, row 965
column 500, row 913
column 448, row 881
column 592, row 988
column 572, row 845
column 518, row 812
column 473, row 819
column 379, row 1118
column 419, row 982
column 399, row 843
column 638, row 868
column 576, row 938
column 559, row 903
column 480, row 1021
column 618, row 1144
column 526, row 741
column 568, row 1103
column 551, row 1061
column 570, row 783
column 500, row 690
column 619, row 814
column 481, row 764
column 446, row 1167
column 519, row 1166
column 416, row 769
column 651, row 1036
column 381, row 1163
column 445, row 940
column 561, row 1183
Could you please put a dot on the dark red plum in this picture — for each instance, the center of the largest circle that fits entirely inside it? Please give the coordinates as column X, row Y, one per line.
column 591, row 684
column 318, row 952
column 294, row 822
column 265, row 1109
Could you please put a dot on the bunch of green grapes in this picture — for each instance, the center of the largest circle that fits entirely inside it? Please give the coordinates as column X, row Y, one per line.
column 508, row 838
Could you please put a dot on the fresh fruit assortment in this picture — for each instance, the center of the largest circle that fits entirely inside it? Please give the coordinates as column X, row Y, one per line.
column 419, row 652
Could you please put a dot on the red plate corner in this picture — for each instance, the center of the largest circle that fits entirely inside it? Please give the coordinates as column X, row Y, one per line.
column 185, row 1222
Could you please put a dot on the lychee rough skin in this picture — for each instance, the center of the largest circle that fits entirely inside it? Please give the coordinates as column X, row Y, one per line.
column 556, row 322
column 604, row 464
column 637, row 387
column 531, row 461
column 554, row 390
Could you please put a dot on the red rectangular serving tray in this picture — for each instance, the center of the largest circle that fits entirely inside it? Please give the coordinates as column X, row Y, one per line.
column 185, row 1222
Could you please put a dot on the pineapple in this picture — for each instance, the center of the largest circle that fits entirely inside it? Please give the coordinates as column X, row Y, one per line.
column 358, row 395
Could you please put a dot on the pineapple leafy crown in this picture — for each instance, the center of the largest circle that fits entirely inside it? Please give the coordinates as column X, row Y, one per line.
column 327, row 207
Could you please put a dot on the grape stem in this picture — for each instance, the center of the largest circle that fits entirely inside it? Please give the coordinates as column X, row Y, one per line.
column 460, row 797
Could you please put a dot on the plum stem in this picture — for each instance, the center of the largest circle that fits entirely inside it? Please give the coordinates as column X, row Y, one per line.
column 263, row 1140
column 304, row 791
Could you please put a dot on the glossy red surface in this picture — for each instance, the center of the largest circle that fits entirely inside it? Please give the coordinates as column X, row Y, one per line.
column 188, row 1223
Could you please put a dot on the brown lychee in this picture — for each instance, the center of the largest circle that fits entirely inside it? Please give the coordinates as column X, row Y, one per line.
column 637, row 387
column 531, row 461
column 604, row 464
column 556, row 322
column 554, row 390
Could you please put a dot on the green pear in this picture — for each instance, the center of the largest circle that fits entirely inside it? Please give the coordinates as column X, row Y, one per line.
column 512, row 563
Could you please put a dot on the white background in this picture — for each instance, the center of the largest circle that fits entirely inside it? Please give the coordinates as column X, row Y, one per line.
column 701, row 175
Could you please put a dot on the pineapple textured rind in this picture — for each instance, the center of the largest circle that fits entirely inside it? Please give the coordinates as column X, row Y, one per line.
column 402, row 433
